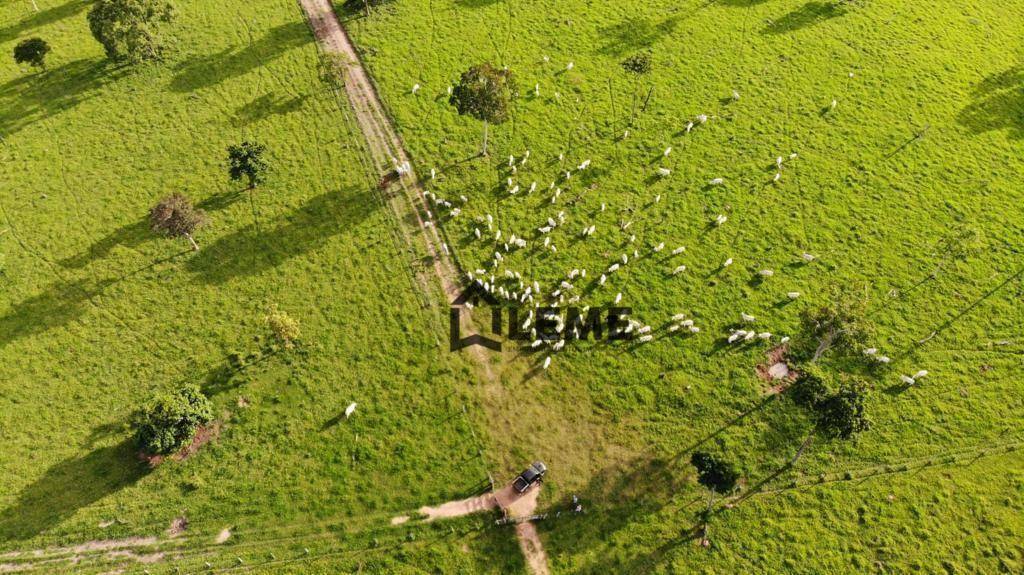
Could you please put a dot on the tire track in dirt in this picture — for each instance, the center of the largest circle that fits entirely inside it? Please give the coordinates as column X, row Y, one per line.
column 386, row 150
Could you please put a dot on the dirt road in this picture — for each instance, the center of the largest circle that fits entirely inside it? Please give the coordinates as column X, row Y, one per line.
column 386, row 150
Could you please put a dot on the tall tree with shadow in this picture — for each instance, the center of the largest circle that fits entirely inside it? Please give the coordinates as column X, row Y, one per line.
column 485, row 92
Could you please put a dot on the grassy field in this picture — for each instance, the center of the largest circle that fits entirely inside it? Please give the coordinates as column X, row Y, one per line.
column 97, row 313
column 924, row 144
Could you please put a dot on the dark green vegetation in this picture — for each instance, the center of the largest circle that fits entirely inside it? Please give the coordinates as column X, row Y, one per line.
column 170, row 422
column 130, row 29
column 32, row 51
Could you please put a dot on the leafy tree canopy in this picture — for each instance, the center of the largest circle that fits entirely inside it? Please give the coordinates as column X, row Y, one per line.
column 245, row 160
column 840, row 325
column 842, row 414
column 170, row 421
column 485, row 93
column 130, row 29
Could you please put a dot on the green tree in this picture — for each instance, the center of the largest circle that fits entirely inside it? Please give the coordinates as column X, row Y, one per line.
column 245, row 160
column 837, row 414
column 170, row 421
column 638, row 65
column 842, row 414
column 130, row 29
column 32, row 51
column 811, row 387
column 485, row 93
column 719, row 476
column 176, row 217
column 839, row 325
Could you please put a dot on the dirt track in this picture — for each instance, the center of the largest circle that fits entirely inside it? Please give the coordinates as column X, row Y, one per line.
column 386, row 150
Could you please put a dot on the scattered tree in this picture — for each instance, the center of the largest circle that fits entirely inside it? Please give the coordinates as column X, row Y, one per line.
column 176, row 217
column 811, row 387
column 32, row 51
column 839, row 325
column 842, row 414
column 130, row 29
column 283, row 327
column 837, row 414
column 638, row 65
column 485, row 93
column 245, row 160
column 170, row 421
column 719, row 476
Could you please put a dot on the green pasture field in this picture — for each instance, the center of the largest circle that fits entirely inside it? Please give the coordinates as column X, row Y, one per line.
column 97, row 313
column 924, row 145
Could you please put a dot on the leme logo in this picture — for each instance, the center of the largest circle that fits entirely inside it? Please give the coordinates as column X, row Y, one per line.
column 546, row 323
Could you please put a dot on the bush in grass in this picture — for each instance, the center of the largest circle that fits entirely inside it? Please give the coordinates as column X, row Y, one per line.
column 716, row 474
column 841, row 415
column 171, row 420
column 176, row 217
column 638, row 64
column 283, row 327
column 130, row 29
column 32, row 51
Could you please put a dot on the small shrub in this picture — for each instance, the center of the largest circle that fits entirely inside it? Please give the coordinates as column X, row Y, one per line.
column 176, row 217
column 32, row 51
column 715, row 473
column 170, row 421
column 638, row 64
column 283, row 327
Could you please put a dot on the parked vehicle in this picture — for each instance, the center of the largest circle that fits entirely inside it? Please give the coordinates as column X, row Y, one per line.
column 533, row 474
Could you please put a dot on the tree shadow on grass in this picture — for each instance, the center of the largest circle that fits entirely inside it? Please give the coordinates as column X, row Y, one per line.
column 58, row 305
column 616, row 498
column 476, row 3
column 740, row 3
column 998, row 104
column 32, row 97
column 250, row 250
column 41, row 18
column 266, row 106
column 68, row 486
column 129, row 235
column 211, row 69
column 635, row 33
column 814, row 12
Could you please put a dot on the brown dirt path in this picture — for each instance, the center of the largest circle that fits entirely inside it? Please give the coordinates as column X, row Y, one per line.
column 386, row 150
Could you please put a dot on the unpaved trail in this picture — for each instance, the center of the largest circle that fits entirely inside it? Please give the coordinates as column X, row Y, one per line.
column 533, row 551
column 461, row 507
column 387, row 150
